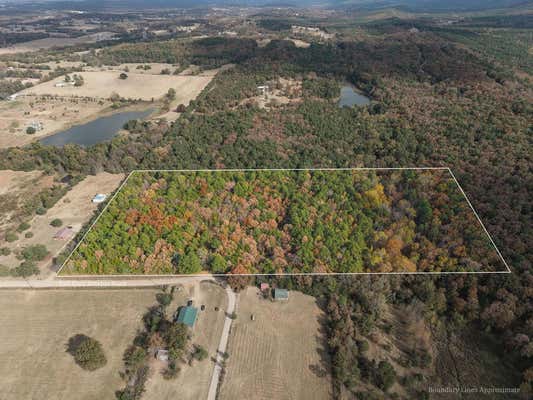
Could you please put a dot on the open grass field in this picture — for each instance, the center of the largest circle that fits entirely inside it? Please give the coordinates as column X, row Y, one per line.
column 193, row 380
column 74, row 209
column 36, row 325
column 103, row 84
column 278, row 356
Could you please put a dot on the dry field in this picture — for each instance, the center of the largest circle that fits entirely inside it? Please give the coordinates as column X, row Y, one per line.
column 48, row 43
column 279, row 355
column 36, row 325
column 103, row 84
column 15, row 188
column 54, row 115
column 74, row 209
column 193, row 380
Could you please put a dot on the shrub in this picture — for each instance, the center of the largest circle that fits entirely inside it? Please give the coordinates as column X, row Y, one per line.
column 200, row 353
column 25, row 269
column 56, row 222
column 40, row 210
column 87, row 352
column 36, row 252
column 123, row 76
column 164, row 299
column 5, row 251
column 23, row 226
column 11, row 236
column 28, row 235
column 30, row 130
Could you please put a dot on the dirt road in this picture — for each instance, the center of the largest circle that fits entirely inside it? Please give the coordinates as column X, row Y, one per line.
column 215, row 379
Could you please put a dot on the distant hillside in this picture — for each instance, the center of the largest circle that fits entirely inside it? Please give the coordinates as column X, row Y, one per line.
column 407, row 5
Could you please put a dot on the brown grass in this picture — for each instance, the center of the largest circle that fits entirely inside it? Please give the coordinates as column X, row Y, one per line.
column 280, row 354
column 74, row 209
column 36, row 326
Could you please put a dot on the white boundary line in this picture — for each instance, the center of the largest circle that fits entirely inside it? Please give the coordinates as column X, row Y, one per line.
column 141, row 276
column 479, row 219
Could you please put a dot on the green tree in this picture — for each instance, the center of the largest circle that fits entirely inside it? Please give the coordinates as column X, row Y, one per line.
column 56, row 222
column 26, row 268
column 87, row 352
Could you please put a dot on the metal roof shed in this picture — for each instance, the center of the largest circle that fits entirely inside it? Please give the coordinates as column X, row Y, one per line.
column 281, row 294
column 187, row 315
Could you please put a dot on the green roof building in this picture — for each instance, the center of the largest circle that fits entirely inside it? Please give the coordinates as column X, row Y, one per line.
column 187, row 316
column 281, row 294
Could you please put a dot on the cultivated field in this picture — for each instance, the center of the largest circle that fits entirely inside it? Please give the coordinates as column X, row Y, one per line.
column 104, row 84
column 193, row 380
column 278, row 356
column 36, row 325
column 74, row 209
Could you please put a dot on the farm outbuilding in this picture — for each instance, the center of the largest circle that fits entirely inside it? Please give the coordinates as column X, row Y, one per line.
column 281, row 294
column 187, row 316
column 99, row 198
column 64, row 233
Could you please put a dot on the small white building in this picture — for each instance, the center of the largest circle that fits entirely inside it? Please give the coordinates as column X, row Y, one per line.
column 99, row 198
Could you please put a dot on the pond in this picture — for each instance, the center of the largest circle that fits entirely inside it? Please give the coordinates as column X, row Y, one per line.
column 99, row 130
column 349, row 97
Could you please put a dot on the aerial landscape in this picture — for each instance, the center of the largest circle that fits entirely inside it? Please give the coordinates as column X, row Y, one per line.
column 256, row 200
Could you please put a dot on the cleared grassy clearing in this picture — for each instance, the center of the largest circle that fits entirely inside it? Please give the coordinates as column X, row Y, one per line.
column 103, row 84
column 36, row 326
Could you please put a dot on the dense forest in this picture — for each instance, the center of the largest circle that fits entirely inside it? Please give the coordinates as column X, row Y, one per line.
column 438, row 99
column 286, row 222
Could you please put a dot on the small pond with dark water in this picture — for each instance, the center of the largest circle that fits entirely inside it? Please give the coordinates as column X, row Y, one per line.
column 350, row 97
column 99, row 130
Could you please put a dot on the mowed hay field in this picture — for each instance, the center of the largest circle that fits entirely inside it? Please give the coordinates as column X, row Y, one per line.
column 36, row 325
column 279, row 356
column 103, row 84
column 193, row 380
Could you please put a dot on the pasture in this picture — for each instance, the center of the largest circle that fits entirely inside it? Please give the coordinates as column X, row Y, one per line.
column 280, row 355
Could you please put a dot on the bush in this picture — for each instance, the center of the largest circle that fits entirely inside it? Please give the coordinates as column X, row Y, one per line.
column 164, row 299
column 5, row 251
column 36, row 252
column 28, row 235
column 30, row 130
column 40, row 210
column 23, row 226
column 200, row 353
column 56, row 222
column 11, row 237
column 25, row 269
column 87, row 352
column 123, row 76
